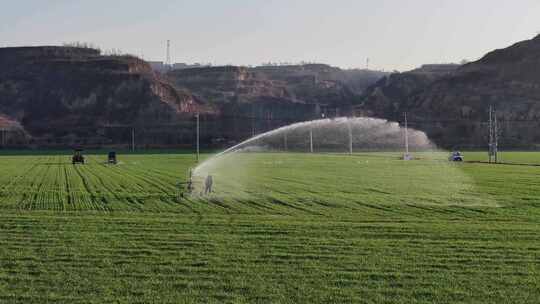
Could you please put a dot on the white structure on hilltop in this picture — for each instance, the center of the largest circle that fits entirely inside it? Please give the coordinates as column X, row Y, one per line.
column 162, row 67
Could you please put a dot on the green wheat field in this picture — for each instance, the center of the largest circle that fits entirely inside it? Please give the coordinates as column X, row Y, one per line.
column 279, row 228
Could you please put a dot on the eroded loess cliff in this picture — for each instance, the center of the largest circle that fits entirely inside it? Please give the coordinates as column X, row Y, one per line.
column 66, row 91
column 60, row 96
column 453, row 108
column 309, row 84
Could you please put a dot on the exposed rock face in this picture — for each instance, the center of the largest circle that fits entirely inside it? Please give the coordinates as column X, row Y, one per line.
column 386, row 97
column 48, row 94
column 254, row 100
column 310, row 84
column 56, row 92
column 220, row 85
column 59, row 96
column 453, row 108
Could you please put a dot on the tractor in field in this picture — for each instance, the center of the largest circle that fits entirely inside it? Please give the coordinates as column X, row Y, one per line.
column 111, row 158
column 78, row 157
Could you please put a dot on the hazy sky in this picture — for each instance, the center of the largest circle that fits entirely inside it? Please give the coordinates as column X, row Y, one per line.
column 394, row 34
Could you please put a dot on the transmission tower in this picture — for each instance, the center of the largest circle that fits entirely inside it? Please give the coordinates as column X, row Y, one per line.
column 493, row 135
column 490, row 152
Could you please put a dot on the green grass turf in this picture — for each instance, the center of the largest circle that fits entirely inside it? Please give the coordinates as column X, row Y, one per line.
column 290, row 228
column 516, row 157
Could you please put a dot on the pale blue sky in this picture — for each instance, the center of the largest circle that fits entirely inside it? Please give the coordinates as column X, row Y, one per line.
column 394, row 34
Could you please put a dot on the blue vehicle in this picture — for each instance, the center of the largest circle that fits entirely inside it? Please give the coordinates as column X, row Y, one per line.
column 456, row 156
column 111, row 158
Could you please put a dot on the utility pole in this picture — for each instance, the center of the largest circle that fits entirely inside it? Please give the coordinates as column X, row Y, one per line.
column 311, row 140
column 407, row 156
column 285, row 140
column 496, row 136
column 269, row 120
column 491, row 145
column 406, row 135
column 252, row 122
column 132, row 139
column 350, row 136
column 198, row 144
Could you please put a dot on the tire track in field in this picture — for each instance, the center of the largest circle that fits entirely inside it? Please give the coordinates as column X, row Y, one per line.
column 121, row 175
column 60, row 188
column 115, row 174
column 37, row 200
column 94, row 205
column 31, row 191
column 151, row 182
column 109, row 189
column 17, row 178
column 135, row 202
column 68, row 187
column 163, row 190
column 142, row 175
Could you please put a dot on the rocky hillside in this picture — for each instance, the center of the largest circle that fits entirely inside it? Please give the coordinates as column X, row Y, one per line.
column 254, row 100
column 308, row 84
column 453, row 108
column 68, row 94
column 60, row 96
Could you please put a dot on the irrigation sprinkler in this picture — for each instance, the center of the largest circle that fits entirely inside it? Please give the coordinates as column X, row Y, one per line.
column 373, row 134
